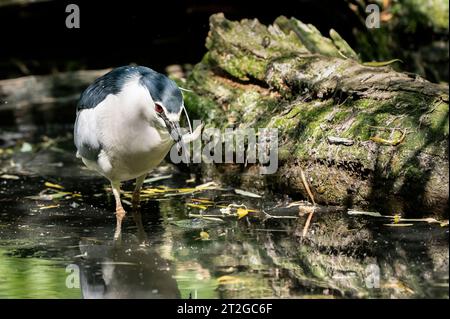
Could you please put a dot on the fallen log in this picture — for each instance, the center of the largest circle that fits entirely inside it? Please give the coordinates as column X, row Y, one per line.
column 314, row 89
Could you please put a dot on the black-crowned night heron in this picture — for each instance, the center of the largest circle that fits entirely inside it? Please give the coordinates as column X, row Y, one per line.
column 127, row 121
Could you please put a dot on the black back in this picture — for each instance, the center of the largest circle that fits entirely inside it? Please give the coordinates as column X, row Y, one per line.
column 161, row 88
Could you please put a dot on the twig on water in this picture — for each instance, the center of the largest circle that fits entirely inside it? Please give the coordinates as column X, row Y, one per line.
column 308, row 190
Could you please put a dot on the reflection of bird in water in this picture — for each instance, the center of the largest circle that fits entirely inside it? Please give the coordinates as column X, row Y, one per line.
column 128, row 271
column 127, row 121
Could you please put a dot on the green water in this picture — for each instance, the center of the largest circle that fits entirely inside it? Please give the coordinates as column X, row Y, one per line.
column 33, row 278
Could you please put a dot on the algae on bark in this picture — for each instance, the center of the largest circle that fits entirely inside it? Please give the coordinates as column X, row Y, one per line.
column 288, row 76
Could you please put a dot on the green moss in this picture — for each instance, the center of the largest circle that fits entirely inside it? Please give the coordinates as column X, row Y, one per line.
column 438, row 119
column 242, row 67
column 201, row 107
column 245, row 49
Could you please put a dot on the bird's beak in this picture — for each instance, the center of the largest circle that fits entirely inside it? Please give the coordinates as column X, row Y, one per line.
column 175, row 133
column 173, row 127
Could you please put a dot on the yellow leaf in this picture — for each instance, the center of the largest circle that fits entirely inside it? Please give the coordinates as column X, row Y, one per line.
column 209, row 185
column 48, row 207
column 242, row 212
column 185, row 190
column 7, row 176
column 60, row 195
column 204, row 235
column 51, row 185
column 197, row 206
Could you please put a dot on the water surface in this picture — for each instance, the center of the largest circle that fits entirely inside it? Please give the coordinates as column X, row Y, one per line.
column 63, row 248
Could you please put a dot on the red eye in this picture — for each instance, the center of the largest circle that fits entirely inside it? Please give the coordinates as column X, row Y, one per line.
column 158, row 108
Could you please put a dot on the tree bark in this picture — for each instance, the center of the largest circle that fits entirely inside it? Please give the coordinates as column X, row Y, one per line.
column 366, row 136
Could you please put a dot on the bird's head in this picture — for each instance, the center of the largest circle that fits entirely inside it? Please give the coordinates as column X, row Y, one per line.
column 168, row 120
column 166, row 103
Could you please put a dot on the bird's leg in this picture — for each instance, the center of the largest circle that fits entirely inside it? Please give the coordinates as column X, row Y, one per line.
column 136, row 211
column 137, row 192
column 120, row 212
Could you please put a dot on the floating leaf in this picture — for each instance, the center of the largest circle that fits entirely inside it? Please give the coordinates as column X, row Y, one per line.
column 242, row 212
column 246, row 193
column 202, row 200
column 152, row 191
column 52, row 185
column 372, row 214
column 396, row 219
column 197, row 206
column 429, row 220
column 213, row 219
column 191, row 180
column 60, row 195
column 52, row 196
column 157, row 178
column 7, row 176
column 185, row 190
column 49, row 206
column 236, row 210
column 26, row 147
column 168, row 192
column 204, row 235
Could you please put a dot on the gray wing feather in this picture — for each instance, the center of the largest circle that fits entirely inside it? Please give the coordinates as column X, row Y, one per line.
column 85, row 136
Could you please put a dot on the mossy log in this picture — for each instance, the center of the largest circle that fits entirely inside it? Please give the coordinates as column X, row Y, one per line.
column 366, row 136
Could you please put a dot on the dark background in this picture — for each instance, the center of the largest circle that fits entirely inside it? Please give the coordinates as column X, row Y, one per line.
column 158, row 33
